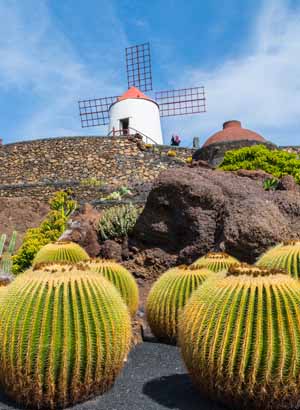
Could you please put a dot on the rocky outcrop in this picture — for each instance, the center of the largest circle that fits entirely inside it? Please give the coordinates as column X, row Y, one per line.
column 21, row 214
column 82, row 229
column 193, row 210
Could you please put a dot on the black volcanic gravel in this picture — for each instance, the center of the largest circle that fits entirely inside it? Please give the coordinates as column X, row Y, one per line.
column 154, row 378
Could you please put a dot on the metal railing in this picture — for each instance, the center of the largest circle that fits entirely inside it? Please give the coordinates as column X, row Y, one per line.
column 131, row 132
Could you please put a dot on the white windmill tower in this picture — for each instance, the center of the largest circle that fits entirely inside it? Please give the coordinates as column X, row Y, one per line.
column 134, row 112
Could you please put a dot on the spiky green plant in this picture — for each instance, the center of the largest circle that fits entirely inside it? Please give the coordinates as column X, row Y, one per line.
column 215, row 261
column 284, row 256
column 60, row 252
column 120, row 277
column 168, row 296
column 64, row 335
column 6, row 261
column 117, row 221
column 240, row 338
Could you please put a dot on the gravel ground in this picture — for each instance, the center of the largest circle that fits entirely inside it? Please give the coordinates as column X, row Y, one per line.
column 154, row 378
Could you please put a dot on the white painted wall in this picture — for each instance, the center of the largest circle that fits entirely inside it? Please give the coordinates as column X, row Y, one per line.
column 143, row 116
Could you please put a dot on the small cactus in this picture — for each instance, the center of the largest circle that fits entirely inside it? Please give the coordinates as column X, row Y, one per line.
column 64, row 335
column 6, row 261
column 60, row 252
column 121, row 278
column 284, row 256
column 168, row 296
column 240, row 338
column 215, row 261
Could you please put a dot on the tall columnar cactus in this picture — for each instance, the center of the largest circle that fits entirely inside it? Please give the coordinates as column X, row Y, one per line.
column 284, row 256
column 240, row 338
column 60, row 252
column 215, row 261
column 6, row 257
column 64, row 335
column 121, row 278
column 168, row 296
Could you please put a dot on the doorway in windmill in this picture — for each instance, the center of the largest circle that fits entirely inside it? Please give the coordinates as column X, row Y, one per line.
column 124, row 126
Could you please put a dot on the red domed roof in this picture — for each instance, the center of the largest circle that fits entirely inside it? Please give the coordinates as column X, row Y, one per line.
column 233, row 131
column 133, row 92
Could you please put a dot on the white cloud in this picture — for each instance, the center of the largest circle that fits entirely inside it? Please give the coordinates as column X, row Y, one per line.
column 38, row 61
column 261, row 87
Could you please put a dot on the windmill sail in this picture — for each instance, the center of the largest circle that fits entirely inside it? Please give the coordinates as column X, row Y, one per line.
column 138, row 65
column 95, row 112
column 181, row 102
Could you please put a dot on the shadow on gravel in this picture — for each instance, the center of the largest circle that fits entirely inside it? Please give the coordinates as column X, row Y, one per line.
column 9, row 402
column 176, row 392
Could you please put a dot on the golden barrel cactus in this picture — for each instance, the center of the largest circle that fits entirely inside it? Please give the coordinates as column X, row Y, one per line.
column 64, row 335
column 168, row 296
column 120, row 277
column 284, row 256
column 240, row 339
column 60, row 252
column 215, row 261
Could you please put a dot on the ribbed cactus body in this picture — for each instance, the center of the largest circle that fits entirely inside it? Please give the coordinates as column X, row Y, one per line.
column 168, row 296
column 63, row 337
column 2, row 292
column 215, row 261
column 121, row 278
column 60, row 252
column 285, row 256
column 240, row 340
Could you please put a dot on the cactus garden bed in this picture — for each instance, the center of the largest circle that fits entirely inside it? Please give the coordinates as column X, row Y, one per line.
column 154, row 378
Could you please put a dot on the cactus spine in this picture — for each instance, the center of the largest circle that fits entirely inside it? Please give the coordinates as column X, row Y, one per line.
column 285, row 256
column 240, row 339
column 168, row 296
column 121, row 278
column 215, row 261
column 60, row 252
column 63, row 337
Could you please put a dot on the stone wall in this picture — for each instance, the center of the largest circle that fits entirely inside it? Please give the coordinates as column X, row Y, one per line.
column 39, row 168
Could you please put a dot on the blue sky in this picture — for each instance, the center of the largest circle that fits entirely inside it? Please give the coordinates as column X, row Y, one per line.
column 246, row 53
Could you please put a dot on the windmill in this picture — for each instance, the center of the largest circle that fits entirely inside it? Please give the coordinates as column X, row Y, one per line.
column 134, row 112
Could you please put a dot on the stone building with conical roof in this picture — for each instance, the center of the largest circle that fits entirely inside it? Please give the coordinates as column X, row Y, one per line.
column 232, row 136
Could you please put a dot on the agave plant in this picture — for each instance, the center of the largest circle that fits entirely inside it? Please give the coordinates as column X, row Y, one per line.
column 240, row 338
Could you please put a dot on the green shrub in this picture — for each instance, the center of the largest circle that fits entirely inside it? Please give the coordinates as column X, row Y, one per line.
column 92, row 181
column 61, row 207
column 275, row 162
column 117, row 222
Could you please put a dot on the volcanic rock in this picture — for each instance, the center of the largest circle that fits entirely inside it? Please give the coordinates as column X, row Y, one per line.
column 191, row 211
column 82, row 229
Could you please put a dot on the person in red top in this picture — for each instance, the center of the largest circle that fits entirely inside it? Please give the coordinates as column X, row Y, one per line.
column 175, row 140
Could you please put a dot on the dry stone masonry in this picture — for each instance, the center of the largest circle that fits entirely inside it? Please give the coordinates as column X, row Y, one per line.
column 41, row 167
